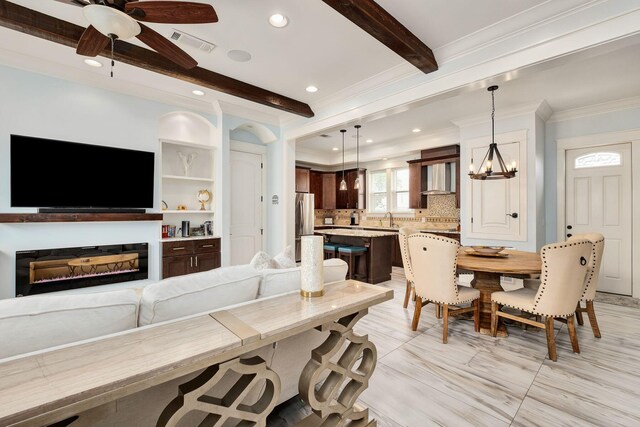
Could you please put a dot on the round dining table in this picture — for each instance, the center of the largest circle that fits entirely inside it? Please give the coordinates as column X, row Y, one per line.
column 487, row 271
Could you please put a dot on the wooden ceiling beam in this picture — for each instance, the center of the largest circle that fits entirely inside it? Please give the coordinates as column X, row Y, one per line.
column 376, row 21
column 46, row 27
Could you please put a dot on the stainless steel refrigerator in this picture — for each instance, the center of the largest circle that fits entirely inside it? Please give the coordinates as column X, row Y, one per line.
column 304, row 219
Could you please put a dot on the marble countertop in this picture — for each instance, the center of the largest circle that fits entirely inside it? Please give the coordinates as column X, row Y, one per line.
column 394, row 229
column 355, row 232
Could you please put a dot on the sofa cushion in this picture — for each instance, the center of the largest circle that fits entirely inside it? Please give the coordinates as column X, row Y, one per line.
column 286, row 258
column 38, row 322
column 262, row 260
column 278, row 281
column 196, row 293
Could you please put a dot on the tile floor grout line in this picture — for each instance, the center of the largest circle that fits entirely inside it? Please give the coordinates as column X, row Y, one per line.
column 528, row 390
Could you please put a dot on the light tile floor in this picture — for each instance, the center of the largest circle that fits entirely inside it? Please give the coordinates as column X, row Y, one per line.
column 477, row 380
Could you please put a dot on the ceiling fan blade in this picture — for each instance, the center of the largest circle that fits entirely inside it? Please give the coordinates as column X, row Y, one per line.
column 172, row 12
column 165, row 48
column 92, row 42
column 80, row 3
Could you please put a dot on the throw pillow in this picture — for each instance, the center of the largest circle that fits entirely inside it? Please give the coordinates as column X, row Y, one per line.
column 262, row 260
column 285, row 258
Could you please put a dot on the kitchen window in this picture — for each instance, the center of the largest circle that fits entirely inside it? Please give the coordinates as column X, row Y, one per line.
column 389, row 190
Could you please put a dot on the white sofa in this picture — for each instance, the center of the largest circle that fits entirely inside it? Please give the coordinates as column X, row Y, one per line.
column 39, row 323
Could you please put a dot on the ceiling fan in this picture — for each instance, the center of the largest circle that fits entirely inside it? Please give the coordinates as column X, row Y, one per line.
column 122, row 19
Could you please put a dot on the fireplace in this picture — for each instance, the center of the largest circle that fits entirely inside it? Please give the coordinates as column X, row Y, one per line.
column 50, row 270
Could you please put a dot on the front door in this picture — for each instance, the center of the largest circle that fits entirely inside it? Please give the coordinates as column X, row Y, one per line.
column 598, row 199
column 246, row 206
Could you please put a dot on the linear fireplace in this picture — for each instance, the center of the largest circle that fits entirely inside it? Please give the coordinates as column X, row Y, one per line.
column 50, row 270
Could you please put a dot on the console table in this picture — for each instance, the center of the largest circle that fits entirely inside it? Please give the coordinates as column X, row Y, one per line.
column 57, row 385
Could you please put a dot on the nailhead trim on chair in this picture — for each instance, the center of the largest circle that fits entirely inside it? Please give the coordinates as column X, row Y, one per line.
column 455, row 264
column 543, row 281
column 593, row 258
column 406, row 249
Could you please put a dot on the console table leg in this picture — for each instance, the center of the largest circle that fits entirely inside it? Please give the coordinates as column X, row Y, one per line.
column 193, row 395
column 341, row 382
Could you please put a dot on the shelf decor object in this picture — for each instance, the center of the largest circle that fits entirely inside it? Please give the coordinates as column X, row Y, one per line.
column 312, row 273
column 203, row 197
column 343, row 183
column 356, row 185
column 187, row 161
column 485, row 171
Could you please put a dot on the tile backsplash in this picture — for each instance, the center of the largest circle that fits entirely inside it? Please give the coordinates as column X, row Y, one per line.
column 441, row 213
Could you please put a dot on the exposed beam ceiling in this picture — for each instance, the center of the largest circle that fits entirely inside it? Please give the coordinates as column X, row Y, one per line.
column 372, row 18
column 40, row 25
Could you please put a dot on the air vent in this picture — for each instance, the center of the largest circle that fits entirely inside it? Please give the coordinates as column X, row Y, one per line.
column 324, row 135
column 189, row 40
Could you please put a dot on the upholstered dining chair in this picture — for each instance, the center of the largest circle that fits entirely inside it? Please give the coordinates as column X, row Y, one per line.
column 591, row 280
column 434, row 263
column 403, row 234
column 564, row 268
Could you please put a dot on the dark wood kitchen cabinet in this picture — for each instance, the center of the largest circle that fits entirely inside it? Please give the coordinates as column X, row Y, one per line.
column 328, row 190
column 316, row 188
column 189, row 256
column 418, row 180
column 351, row 198
column 302, row 180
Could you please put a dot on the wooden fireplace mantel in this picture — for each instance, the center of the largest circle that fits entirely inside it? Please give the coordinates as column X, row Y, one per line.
column 6, row 218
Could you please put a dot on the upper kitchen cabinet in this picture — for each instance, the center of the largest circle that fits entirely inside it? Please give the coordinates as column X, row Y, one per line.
column 316, row 188
column 328, row 190
column 436, row 172
column 302, row 180
column 351, row 198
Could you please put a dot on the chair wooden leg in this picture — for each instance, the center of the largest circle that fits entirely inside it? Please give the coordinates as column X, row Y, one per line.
column 438, row 311
column 416, row 314
column 551, row 341
column 592, row 319
column 476, row 315
column 494, row 319
column 445, row 323
column 579, row 317
column 407, row 294
column 571, row 326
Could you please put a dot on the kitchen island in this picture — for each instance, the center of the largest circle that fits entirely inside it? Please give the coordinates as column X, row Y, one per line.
column 379, row 246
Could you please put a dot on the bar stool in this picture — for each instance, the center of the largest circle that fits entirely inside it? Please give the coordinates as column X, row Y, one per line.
column 352, row 255
column 331, row 249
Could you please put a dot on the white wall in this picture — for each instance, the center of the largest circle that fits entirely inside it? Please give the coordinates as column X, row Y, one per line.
column 35, row 105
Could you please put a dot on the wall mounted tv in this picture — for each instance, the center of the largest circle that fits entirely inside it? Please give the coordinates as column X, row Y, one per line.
column 47, row 173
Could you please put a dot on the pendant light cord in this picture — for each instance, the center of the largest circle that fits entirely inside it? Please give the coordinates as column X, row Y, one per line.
column 343, row 131
column 358, row 148
column 493, row 117
column 112, row 37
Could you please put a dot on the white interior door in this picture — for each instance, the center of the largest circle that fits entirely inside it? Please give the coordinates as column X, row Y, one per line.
column 598, row 199
column 498, row 210
column 246, row 206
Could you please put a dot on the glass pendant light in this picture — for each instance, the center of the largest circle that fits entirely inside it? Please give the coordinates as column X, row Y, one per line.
column 485, row 171
column 356, row 186
column 343, row 183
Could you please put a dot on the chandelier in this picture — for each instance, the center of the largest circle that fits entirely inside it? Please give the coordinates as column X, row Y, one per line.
column 486, row 169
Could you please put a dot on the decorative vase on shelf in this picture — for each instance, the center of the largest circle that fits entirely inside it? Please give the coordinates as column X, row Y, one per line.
column 187, row 160
column 311, row 271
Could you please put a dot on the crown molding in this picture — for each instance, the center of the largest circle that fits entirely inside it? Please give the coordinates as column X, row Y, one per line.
column 248, row 113
column 539, row 108
column 596, row 109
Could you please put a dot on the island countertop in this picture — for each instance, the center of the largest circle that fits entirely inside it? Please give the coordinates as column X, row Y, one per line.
column 355, row 233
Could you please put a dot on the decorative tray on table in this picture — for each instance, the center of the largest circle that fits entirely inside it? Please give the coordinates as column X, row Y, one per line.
column 488, row 251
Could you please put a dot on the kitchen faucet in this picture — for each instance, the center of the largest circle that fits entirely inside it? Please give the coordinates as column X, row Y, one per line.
column 390, row 218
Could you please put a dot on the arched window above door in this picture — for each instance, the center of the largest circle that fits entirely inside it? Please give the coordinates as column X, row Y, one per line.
column 596, row 160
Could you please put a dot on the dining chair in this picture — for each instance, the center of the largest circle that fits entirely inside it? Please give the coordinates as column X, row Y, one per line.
column 433, row 261
column 564, row 268
column 403, row 234
column 591, row 280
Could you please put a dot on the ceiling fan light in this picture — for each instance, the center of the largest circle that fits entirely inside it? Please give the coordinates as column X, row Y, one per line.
column 108, row 21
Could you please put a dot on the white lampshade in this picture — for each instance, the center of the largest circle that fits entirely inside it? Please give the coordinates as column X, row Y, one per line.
column 108, row 20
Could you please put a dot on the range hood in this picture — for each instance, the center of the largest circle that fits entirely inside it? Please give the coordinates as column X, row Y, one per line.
column 441, row 179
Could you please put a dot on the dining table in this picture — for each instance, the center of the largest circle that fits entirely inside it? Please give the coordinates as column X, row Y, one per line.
column 487, row 270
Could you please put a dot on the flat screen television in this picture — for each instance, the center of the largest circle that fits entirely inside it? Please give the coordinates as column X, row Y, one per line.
column 47, row 173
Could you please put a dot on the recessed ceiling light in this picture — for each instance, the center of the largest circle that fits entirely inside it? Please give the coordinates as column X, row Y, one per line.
column 335, row 148
column 93, row 63
column 416, row 130
column 278, row 20
column 311, row 89
column 369, row 141
column 197, row 92
column 239, row 55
